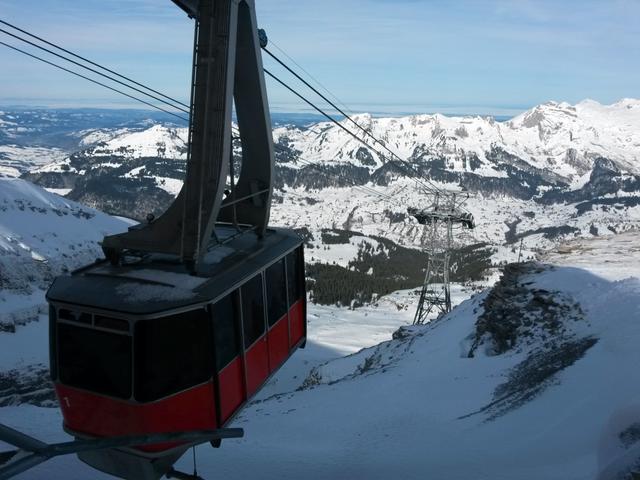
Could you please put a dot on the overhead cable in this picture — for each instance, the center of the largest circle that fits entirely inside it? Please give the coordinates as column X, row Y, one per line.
column 93, row 70
column 94, row 81
column 429, row 186
column 333, row 120
column 178, row 102
column 271, row 42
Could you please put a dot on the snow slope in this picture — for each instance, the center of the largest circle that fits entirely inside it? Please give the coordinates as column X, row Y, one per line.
column 413, row 407
column 16, row 160
column 419, row 407
column 42, row 235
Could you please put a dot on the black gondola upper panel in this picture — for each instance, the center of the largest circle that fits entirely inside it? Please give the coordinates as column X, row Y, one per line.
column 154, row 349
column 158, row 284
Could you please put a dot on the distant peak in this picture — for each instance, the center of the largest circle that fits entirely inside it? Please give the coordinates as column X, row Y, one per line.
column 622, row 103
column 627, row 102
column 365, row 120
column 159, row 128
column 555, row 105
column 588, row 101
column 362, row 116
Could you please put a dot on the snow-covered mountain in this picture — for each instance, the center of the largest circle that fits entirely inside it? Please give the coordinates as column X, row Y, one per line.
column 556, row 137
column 560, row 139
column 551, row 174
column 157, row 141
column 550, row 146
column 556, row 142
column 42, row 235
column 31, row 138
column 531, row 378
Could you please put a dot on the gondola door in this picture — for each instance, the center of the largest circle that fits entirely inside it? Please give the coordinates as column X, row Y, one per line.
column 277, row 314
column 297, row 297
column 229, row 366
column 255, row 335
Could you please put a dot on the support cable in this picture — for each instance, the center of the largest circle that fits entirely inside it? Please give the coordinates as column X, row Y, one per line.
column 366, row 131
column 80, row 57
column 333, row 120
column 348, row 117
column 94, row 81
column 33, row 44
column 271, row 42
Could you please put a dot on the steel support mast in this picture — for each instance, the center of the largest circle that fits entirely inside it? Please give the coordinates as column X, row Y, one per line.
column 440, row 217
column 227, row 70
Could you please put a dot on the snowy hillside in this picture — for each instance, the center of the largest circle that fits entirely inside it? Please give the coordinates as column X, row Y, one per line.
column 419, row 407
column 16, row 160
column 156, row 141
column 42, row 235
column 558, row 400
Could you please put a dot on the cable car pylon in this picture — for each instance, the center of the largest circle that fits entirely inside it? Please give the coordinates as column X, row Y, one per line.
column 444, row 212
column 227, row 71
column 161, row 344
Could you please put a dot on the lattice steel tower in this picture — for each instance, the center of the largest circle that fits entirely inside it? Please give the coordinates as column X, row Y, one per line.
column 444, row 212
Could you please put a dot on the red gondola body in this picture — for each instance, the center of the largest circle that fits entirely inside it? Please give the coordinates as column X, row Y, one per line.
column 253, row 312
column 192, row 312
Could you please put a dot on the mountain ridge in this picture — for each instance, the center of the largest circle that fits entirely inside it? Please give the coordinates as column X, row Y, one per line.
column 542, row 177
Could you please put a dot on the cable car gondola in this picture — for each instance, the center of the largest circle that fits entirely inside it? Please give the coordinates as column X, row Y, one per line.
column 145, row 347
column 189, row 314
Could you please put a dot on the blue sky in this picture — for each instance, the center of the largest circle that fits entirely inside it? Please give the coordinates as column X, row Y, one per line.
column 453, row 56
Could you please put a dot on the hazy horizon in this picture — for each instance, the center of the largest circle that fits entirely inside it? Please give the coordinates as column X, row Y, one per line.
column 500, row 114
column 487, row 57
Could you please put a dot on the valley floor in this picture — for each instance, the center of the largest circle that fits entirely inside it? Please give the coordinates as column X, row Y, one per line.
column 613, row 257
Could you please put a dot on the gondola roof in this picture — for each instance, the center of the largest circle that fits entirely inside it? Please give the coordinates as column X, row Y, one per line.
column 158, row 284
